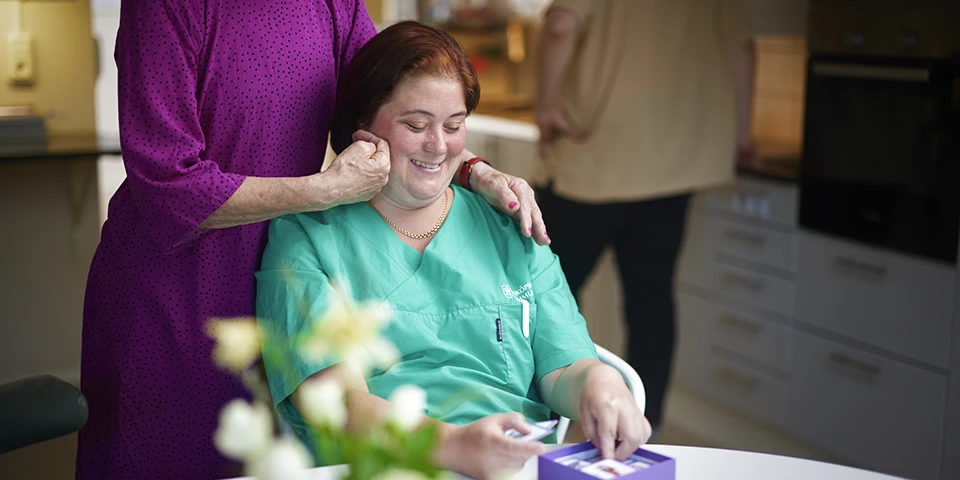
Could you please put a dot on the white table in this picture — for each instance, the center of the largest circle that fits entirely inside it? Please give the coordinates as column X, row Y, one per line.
column 697, row 463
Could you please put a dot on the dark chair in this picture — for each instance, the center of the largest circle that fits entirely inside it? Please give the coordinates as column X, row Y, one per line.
column 35, row 409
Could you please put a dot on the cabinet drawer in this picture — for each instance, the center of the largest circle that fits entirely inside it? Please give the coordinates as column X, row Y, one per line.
column 745, row 390
column 692, row 314
column 693, row 267
column 760, row 245
column 765, row 291
column 874, row 411
column 770, row 201
column 894, row 302
column 755, row 338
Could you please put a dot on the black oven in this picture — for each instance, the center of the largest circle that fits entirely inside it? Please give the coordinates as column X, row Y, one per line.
column 881, row 149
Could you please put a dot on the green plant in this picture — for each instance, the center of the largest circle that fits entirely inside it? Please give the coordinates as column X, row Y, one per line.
column 398, row 447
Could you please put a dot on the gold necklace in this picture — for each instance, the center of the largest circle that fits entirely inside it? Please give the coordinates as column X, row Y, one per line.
column 418, row 236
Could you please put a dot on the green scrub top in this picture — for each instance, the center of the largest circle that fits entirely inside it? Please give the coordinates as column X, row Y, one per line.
column 458, row 307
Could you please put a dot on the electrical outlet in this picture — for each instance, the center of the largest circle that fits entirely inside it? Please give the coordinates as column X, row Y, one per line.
column 20, row 66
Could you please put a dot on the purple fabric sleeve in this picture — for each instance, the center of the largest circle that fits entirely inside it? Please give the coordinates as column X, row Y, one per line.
column 175, row 188
column 354, row 29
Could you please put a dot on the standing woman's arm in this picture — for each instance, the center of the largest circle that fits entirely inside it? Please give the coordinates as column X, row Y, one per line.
column 180, row 193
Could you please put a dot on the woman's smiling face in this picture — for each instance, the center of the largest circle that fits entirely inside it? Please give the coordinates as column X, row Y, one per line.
column 423, row 122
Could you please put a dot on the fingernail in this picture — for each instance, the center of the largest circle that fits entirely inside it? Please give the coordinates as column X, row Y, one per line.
column 545, row 235
column 512, row 205
column 529, row 231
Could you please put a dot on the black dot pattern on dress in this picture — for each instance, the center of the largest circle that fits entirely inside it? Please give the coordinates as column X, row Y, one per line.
column 210, row 91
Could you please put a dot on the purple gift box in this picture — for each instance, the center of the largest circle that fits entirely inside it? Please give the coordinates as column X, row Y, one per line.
column 655, row 466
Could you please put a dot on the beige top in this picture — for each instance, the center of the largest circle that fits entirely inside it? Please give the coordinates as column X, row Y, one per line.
column 653, row 83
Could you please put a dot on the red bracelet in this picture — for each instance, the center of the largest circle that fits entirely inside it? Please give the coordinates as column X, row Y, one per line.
column 466, row 169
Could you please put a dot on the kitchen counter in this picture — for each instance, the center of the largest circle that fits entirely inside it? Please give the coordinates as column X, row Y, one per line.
column 776, row 161
column 514, row 128
column 61, row 147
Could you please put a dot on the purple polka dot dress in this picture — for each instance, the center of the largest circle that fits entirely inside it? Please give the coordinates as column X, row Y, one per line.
column 210, row 91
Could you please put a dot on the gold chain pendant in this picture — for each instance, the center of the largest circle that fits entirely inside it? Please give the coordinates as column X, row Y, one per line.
column 417, row 236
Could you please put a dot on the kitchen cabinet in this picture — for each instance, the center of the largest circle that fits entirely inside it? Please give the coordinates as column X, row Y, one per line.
column 748, row 286
column 778, row 17
column 509, row 145
column 736, row 297
column 842, row 346
column 761, row 245
column 875, row 411
column 756, row 394
column 751, row 336
column 901, row 304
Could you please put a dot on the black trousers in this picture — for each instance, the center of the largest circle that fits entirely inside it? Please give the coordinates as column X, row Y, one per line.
column 646, row 237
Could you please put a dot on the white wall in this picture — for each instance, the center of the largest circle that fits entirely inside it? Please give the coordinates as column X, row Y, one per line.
column 63, row 57
column 110, row 172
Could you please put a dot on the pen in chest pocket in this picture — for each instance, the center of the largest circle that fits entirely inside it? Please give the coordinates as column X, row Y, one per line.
column 525, row 313
column 524, row 321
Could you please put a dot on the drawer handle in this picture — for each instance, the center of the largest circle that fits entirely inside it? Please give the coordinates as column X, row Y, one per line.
column 742, row 281
column 732, row 376
column 754, row 239
column 853, row 264
column 740, row 324
column 844, row 360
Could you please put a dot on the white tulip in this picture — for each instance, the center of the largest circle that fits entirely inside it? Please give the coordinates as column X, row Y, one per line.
column 238, row 342
column 351, row 332
column 245, row 430
column 287, row 460
column 322, row 402
column 407, row 402
column 384, row 354
column 399, row 474
column 378, row 312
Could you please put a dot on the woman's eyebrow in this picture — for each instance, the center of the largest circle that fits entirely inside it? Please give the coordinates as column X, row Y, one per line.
column 416, row 111
column 462, row 113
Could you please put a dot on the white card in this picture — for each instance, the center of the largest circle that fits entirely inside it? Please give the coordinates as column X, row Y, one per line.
column 537, row 431
column 581, row 460
column 609, row 468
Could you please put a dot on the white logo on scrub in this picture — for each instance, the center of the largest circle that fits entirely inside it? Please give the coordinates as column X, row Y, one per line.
column 523, row 291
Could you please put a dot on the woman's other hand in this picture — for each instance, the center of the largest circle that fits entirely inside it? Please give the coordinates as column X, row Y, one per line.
column 554, row 122
column 608, row 412
column 361, row 169
column 513, row 196
column 481, row 450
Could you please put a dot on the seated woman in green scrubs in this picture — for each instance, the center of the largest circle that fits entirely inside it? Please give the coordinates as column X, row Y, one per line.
column 477, row 305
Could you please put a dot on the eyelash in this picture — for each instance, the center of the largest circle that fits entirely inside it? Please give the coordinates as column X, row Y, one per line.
column 422, row 129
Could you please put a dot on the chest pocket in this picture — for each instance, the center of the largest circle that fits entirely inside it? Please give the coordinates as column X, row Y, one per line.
column 516, row 342
column 483, row 344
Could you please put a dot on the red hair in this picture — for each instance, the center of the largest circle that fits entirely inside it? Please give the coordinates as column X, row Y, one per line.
column 401, row 51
